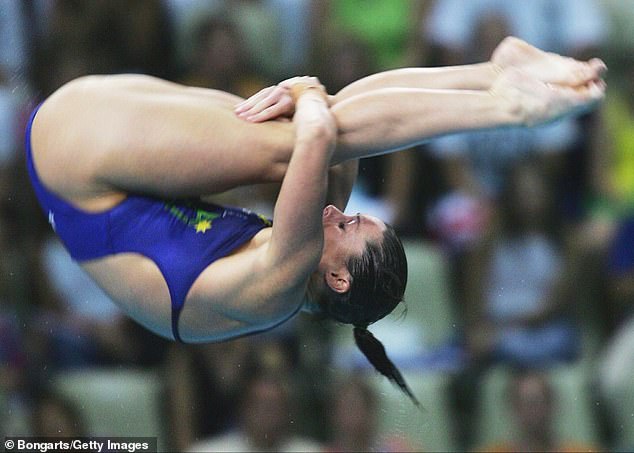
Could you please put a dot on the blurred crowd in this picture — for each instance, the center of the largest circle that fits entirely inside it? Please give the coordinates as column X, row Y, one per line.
column 529, row 232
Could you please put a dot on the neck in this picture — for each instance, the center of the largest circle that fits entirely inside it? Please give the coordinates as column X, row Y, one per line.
column 311, row 303
column 310, row 306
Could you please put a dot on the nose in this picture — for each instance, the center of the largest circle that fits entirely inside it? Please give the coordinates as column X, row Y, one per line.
column 335, row 215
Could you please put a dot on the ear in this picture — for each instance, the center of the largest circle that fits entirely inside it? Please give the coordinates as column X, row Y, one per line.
column 339, row 279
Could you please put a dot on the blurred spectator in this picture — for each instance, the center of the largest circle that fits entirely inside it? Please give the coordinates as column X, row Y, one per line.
column 65, row 48
column 14, row 47
column 533, row 401
column 205, row 383
column 611, row 230
column 11, row 108
column 220, row 60
column 476, row 163
column 517, row 292
column 145, row 41
column 620, row 38
column 54, row 416
column 275, row 33
column 15, row 57
column 576, row 28
column 563, row 26
column 355, row 408
column 81, row 324
column 99, row 37
column 616, row 384
column 265, row 421
column 346, row 59
column 611, row 226
column 519, row 288
column 387, row 27
column 350, row 46
column 13, row 383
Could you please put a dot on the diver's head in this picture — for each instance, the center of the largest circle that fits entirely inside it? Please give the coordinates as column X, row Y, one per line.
column 360, row 279
column 363, row 270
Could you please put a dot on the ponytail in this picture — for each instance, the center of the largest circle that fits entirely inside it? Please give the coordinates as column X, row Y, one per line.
column 375, row 353
column 379, row 277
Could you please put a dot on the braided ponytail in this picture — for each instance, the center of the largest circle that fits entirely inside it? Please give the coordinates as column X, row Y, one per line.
column 375, row 353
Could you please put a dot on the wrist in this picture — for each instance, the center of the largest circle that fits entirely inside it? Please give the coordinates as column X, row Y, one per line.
column 299, row 90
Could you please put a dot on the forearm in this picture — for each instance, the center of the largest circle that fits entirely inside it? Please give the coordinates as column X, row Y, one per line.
column 298, row 227
column 468, row 77
column 341, row 179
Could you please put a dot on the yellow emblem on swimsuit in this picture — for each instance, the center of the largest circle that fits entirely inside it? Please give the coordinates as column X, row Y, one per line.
column 203, row 225
column 201, row 222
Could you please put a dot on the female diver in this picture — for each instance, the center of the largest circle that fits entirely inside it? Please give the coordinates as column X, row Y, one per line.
column 119, row 164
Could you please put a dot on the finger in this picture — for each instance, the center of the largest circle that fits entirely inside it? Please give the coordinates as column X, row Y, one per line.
column 250, row 102
column 272, row 99
column 273, row 111
column 260, row 105
column 253, row 100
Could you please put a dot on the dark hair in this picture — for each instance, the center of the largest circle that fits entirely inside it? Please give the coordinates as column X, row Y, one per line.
column 379, row 277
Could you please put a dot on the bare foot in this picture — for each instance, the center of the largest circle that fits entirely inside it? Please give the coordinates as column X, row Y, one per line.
column 534, row 101
column 546, row 66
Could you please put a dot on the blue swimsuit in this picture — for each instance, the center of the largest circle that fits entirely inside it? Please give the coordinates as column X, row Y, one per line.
column 181, row 237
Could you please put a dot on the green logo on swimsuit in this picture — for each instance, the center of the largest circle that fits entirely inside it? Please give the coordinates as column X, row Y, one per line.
column 264, row 220
column 201, row 221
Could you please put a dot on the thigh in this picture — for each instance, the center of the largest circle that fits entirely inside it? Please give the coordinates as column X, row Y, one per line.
column 140, row 134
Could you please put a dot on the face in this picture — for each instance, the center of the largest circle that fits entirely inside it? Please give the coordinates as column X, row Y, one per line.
column 533, row 404
column 346, row 236
column 54, row 421
column 353, row 422
column 266, row 412
column 531, row 194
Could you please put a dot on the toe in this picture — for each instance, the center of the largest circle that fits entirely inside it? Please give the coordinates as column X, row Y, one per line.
column 598, row 66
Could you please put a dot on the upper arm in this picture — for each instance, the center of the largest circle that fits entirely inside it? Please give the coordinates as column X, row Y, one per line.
column 240, row 292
